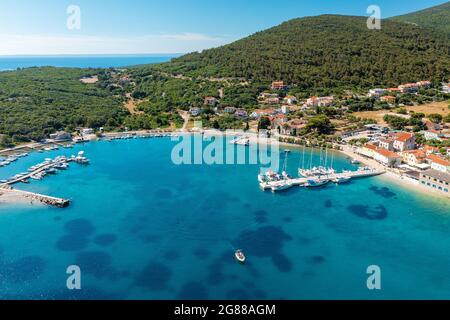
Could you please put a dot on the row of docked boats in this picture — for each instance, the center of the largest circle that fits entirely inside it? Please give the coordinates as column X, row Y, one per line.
column 313, row 177
column 47, row 167
column 10, row 159
column 144, row 136
column 55, row 147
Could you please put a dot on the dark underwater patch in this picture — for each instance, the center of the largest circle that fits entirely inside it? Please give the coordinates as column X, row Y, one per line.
column 154, row 277
column 23, row 270
column 163, row 194
column 383, row 192
column 328, row 204
column 80, row 227
column 105, row 240
column 317, row 260
column 172, row 255
column 261, row 220
column 96, row 263
column 282, row 263
column 265, row 242
column 202, row 253
column 260, row 213
column 193, row 291
column 377, row 213
column 72, row 242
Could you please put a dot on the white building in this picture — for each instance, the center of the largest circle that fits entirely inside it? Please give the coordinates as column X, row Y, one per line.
column 376, row 92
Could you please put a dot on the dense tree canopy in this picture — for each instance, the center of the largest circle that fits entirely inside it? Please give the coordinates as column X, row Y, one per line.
column 38, row 101
column 327, row 52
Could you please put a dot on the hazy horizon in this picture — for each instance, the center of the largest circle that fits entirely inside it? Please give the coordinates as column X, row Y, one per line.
column 161, row 28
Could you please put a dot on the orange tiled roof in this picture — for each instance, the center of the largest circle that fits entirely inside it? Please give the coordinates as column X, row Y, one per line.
column 371, row 147
column 438, row 160
column 403, row 136
column 417, row 153
column 387, row 153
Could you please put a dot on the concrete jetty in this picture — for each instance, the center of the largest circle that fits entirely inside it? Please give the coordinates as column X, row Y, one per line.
column 327, row 177
column 25, row 196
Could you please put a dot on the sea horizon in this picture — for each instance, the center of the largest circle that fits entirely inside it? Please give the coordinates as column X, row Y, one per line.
column 13, row 62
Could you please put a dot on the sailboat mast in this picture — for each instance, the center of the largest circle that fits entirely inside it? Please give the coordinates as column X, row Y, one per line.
column 303, row 163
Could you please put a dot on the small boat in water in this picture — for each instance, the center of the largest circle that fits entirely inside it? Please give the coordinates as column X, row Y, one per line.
column 355, row 161
column 239, row 255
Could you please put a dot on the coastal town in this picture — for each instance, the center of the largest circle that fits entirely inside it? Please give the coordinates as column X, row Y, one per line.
column 417, row 151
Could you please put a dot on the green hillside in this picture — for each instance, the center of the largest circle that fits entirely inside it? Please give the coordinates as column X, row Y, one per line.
column 437, row 18
column 327, row 51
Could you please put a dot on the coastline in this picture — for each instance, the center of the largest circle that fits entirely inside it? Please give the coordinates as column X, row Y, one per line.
column 394, row 177
column 9, row 196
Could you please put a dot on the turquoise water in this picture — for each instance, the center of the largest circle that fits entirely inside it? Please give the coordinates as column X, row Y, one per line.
column 141, row 227
column 97, row 61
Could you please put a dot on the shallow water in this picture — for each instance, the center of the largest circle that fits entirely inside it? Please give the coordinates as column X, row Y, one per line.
column 141, row 227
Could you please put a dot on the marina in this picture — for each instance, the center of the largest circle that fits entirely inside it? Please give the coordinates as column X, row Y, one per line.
column 291, row 234
column 318, row 181
column 314, row 177
column 38, row 172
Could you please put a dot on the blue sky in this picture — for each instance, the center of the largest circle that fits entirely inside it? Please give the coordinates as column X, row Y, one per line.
column 163, row 26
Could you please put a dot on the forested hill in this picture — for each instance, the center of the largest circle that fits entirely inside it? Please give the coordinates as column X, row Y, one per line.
column 327, row 51
column 437, row 18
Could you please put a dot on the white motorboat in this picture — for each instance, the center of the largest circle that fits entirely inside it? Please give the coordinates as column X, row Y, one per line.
column 239, row 255
column 315, row 183
column 281, row 186
column 341, row 180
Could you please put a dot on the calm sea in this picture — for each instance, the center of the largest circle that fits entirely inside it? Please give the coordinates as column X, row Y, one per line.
column 14, row 62
column 141, row 227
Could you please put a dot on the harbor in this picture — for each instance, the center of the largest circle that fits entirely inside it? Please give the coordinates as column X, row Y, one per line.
column 277, row 183
column 38, row 172
column 314, row 177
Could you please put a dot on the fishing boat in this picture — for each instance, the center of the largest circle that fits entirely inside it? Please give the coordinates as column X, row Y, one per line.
column 239, row 255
